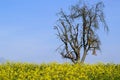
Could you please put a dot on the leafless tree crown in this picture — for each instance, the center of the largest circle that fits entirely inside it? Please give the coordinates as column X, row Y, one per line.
column 78, row 30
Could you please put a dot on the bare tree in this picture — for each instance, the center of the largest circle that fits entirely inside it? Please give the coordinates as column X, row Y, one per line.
column 78, row 31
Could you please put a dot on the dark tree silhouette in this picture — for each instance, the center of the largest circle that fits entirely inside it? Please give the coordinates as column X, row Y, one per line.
column 78, row 31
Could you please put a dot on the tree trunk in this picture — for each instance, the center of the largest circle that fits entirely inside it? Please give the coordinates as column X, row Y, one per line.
column 84, row 56
column 78, row 56
column 78, row 59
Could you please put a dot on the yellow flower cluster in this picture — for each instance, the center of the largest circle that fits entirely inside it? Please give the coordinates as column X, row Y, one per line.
column 55, row 71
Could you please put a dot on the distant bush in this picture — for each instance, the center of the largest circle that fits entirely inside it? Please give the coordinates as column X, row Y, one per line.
column 55, row 71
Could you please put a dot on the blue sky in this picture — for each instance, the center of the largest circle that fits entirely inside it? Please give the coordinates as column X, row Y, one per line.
column 27, row 34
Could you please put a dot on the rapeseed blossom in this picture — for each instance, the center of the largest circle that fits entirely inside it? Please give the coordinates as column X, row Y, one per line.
column 56, row 71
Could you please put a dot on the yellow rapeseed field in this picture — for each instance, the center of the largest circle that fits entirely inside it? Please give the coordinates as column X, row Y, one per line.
column 56, row 71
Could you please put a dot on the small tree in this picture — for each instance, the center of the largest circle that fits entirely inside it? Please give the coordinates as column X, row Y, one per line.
column 78, row 31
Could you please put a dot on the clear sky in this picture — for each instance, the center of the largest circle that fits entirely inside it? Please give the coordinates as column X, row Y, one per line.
column 27, row 34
